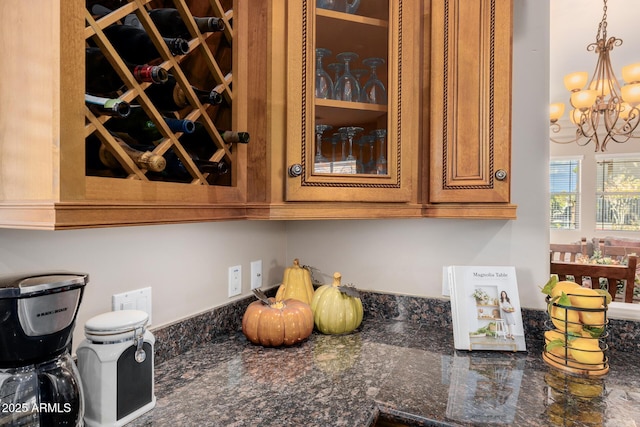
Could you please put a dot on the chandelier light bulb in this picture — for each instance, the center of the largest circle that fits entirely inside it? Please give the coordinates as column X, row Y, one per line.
column 575, row 116
column 625, row 110
column 556, row 110
column 583, row 99
column 631, row 93
column 576, row 81
column 631, row 73
column 601, row 86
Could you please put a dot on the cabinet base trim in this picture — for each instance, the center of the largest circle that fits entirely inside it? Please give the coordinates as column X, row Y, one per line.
column 311, row 211
column 470, row 211
column 68, row 215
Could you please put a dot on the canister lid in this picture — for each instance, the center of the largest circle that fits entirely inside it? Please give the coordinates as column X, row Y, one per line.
column 115, row 325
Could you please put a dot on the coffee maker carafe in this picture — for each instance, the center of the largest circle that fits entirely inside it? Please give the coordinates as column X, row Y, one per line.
column 39, row 382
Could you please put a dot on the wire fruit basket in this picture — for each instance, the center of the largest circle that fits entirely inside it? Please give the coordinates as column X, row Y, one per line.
column 577, row 328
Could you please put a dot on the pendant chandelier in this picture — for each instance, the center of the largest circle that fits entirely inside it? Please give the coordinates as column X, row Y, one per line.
column 603, row 111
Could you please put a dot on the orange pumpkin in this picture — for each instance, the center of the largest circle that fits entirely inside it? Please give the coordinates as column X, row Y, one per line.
column 280, row 323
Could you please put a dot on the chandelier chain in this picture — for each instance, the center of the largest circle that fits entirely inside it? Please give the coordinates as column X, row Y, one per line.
column 602, row 28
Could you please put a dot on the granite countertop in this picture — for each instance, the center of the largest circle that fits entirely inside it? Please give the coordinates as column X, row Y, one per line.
column 387, row 369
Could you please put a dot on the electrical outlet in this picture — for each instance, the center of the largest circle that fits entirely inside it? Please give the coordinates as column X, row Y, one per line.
column 256, row 274
column 235, row 280
column 140, row 299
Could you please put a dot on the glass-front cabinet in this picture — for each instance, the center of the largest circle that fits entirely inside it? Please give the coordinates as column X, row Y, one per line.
column 352, row 100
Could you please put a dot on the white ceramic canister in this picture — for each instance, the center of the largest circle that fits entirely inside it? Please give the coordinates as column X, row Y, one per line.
column 116, row 367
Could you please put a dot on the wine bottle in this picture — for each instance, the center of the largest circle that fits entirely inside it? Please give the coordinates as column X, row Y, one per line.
column 200, row 136
column 141, row 128
column 170, row 23
column 107, row 106
column 102, row 79
column 134, row 44
column 141, row 131
column 175, row 169
column 171, row 97
column 200, row 143
column 99, row 157
column 230, row 136
column 180, row 125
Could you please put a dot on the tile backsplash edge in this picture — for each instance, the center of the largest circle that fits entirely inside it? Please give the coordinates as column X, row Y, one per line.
column 175, row 339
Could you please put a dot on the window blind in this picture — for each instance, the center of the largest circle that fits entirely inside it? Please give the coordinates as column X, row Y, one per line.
column 564, row 185
column 618, row 193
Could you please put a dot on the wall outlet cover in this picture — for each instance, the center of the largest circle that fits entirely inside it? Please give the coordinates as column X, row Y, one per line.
column 139, row 299
column 235, row 280
column 256, row 274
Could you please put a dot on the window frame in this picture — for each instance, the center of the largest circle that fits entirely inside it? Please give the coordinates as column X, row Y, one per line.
column 601, row 194
column 575, row 222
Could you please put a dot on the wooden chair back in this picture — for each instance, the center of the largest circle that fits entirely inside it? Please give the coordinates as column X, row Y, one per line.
column 612, row 273
column 567, row 252
column 619, row 253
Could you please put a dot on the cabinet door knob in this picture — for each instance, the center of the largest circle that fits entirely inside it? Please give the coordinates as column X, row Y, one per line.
column 501, row 174
column 295, row 170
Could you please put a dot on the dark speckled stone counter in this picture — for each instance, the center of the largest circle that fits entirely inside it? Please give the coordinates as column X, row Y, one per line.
column 393, row 369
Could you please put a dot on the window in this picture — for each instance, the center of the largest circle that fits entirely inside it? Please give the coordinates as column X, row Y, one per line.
column 618, row 193
column 564, row 184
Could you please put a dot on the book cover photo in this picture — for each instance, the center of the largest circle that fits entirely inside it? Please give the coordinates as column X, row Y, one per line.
column 485, row 308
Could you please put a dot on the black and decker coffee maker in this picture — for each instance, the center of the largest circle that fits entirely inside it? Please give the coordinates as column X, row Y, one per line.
column 39, row 382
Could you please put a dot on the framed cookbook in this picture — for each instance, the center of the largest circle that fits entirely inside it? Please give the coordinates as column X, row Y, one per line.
column 485, row 308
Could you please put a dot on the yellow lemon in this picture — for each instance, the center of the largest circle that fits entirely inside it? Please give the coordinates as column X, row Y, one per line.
column 592, row 318
column 555, row 343
column 565, row 286
column 585, row 298
column 586, row 350
column 606, row 294
column 566, row 320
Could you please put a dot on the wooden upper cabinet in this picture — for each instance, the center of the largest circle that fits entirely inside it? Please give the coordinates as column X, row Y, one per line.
column 376, row 41
column 469, row 124
column 45, row 125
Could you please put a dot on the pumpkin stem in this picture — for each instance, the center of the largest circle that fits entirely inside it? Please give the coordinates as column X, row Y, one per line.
column 296, row 262
column 278, row 305
column 336, row 279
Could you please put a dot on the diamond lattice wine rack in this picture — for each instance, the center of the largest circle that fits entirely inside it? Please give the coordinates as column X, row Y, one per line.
column 173, row 129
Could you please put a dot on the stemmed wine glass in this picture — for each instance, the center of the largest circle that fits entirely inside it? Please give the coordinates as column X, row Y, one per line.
column 346, row 87
column 360, row 158
column 342, row 139
column 370, row 166
column 373, row 91
column 381, row 161
column 324, row 84
column 359, row 73
column 320, row 129
column 334, row 141
column 336, row 69
column 326, row 4
column 349, row 132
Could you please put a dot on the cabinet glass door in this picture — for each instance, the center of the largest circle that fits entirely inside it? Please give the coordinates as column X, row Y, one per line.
column 344, row 107
column 351, row 82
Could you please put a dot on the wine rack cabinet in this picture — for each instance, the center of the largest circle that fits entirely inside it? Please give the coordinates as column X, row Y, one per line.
column 44, row 126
